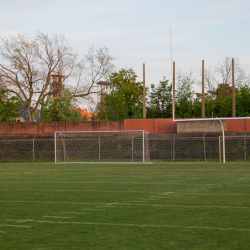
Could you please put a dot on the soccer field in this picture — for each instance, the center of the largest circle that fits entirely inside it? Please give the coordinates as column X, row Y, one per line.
column 115, row 206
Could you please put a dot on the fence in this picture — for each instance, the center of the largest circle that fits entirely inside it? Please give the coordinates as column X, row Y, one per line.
column 160, row 149
column 236, row 147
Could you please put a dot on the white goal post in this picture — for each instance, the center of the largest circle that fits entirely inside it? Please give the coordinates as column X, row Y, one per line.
column 130, row 146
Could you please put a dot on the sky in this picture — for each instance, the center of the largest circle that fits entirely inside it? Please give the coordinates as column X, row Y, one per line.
column 138, row 32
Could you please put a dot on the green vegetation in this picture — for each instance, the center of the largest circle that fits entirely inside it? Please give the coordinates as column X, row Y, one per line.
column 61, row 109
column 9, row 107
column 125, row 99
column 160, row 206
column 160, row 102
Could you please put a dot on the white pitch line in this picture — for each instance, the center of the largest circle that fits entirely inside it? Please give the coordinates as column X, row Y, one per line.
column 93, row 209
column 22, row 221
column 124, row 204
column 73, row 213
column 129, row 183
column 60, row 217
column 142, row 225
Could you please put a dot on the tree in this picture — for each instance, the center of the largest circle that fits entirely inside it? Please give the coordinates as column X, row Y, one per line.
column 26, row 65
column 124, row 82
column 242, row 100
column 9, row 107
column 185, row 95
column 160, row 100
column 61, row 109
column 224, row 71
column 95, row 66
column 113, row 107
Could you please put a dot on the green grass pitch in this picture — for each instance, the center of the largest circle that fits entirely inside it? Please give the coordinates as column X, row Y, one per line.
column 115, row 206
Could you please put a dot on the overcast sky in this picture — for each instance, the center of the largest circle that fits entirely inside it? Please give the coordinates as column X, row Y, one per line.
column 138, row 32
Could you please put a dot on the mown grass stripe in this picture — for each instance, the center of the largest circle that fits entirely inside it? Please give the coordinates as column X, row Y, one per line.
column 15, row 226
column 133, row 192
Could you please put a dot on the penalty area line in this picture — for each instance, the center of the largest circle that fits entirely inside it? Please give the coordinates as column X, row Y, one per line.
column 140, row 225
column 106, row 205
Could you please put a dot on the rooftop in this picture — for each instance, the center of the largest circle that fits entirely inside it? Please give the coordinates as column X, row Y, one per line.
column 56, row 73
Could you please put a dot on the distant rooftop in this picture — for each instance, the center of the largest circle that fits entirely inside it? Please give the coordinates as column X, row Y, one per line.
column 56, row 73
column 103, row 83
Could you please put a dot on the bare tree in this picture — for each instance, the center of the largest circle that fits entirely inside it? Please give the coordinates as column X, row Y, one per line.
column 96, row 65
column 224, row 72
column 209, row 79
column 26, row 65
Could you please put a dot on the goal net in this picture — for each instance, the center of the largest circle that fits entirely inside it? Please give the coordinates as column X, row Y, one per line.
column 101, row 146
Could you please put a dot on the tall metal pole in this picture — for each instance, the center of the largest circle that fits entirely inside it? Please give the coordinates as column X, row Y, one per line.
column 171, row 55
column 203, row 93
column 144, row 93
column 233, row 94
column 173, row 108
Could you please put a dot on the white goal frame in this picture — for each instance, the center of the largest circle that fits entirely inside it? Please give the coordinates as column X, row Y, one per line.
column 143, row 134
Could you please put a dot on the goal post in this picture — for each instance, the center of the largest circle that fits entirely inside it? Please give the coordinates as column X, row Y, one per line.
column 130, row 146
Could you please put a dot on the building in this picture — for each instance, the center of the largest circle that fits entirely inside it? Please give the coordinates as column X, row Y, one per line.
column 86, row 114
column 105, row 89
column 56, row 84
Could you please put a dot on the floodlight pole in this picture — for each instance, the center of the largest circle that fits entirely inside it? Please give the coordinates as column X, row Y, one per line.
column 233, row 94
column 223, row 134
column 173, row 86
column 144, row 93
column 203, row 93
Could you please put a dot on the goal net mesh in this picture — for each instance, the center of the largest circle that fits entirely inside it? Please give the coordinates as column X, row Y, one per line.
column 101, row 147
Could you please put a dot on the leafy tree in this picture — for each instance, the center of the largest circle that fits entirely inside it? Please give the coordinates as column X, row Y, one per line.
column 113, row 107
column 61, row 109
column 9, row 107
column 124, row 82
column 160, row 100
column 242, row 100
column 125, row 99
column 222, row 104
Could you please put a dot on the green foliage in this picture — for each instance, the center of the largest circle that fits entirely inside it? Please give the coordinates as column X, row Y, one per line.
column 124, row 82
column 242, row 100
column 62, row 109
column 113, row 107
column 125, row 99
column 9, row 107
column 160, row 102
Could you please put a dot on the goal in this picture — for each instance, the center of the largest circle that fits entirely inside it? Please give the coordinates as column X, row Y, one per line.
column 129, row 146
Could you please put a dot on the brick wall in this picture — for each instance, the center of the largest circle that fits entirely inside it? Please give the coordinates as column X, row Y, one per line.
column 154, row 126
column 241, row 125
column 16, row 128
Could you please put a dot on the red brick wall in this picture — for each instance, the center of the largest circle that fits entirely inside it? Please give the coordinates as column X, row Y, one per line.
column 157, row 125
column 16, row 128
column 240, row 125
column 164, row 125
